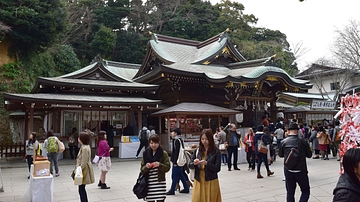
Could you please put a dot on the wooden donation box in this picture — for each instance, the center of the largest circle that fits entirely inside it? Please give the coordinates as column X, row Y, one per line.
column 41, row 168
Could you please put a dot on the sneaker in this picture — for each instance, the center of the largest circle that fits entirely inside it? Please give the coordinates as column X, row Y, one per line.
column 283, row 179
column 229, row 169
column 57, row 175
column 170, row 193
column 136, row 157
column 236, row 168
column 29, row 177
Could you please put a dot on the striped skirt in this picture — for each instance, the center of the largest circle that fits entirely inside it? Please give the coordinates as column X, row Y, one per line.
column 156, row 189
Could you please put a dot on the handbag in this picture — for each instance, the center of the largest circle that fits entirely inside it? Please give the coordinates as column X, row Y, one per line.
column 262, row 147
column 192, row 171
column 140, row 188
column 97, row 158
column 73, row 174
column 78, row 178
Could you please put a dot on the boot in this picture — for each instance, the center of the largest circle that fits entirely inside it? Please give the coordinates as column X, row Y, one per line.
column 189, row 184
column 269, row 173
column 103, row 186
column 259, row 176
column 99, row 184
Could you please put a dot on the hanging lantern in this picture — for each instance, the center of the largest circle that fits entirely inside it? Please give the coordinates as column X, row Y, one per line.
column 245, row 105
column 258, row 105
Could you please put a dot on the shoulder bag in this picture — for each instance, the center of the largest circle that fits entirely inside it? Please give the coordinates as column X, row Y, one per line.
column 262, row 148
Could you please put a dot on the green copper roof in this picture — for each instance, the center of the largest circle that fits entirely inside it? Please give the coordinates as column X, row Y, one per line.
column 257, row 72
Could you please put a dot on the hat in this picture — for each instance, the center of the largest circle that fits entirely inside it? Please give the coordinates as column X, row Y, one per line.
column 177, row 131
column 293, row 126
column 260, row 128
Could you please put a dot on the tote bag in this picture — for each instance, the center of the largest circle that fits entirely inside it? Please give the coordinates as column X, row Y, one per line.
column 181, row 161
column 140, row 188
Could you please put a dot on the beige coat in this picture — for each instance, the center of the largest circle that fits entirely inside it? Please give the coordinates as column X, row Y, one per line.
column 84, row 160
column 324, row 138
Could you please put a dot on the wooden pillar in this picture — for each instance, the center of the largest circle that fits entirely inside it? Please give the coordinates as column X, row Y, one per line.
column 160, row 128
column 139, row 119
column 26, row 129
column 31, row 120
column 273, row 110
column 219, row 122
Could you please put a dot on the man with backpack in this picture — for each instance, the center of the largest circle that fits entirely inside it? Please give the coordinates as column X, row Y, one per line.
column 295, row 150
column 143, row 136
column 52, row 148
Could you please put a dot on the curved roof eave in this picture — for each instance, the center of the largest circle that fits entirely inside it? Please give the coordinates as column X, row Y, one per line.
column 163, row 56
column 98, row 83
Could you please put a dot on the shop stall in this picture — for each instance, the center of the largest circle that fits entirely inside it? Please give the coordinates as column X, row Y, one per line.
column 191, row 118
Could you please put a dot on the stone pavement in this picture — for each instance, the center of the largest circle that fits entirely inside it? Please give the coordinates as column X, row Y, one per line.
column 235, row 185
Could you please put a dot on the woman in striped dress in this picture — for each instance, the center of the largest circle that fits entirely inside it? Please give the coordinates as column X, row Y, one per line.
column 156, row 162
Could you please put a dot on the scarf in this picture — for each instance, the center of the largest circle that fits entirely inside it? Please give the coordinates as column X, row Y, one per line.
column 149, row 157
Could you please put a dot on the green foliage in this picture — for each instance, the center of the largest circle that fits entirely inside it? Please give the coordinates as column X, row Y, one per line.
column 103, row 42
column 65, row 59
column 130, row 47
column 11, row 70
column 34, row 24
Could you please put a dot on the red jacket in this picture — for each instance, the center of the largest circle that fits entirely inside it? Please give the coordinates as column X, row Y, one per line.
column 251, row 140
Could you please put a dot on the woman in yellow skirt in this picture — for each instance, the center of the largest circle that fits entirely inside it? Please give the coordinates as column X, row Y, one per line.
column 206, row 161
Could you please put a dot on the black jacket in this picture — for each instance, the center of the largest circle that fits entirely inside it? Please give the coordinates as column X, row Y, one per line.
column 347, row 189
column 211, row 169
column 176, row 149
column 304, row 149
column 228, row 136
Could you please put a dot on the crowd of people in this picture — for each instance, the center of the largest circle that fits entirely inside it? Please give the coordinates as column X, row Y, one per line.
column 214, row 151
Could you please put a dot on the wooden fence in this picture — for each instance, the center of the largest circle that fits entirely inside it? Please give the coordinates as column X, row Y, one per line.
column 12, row 150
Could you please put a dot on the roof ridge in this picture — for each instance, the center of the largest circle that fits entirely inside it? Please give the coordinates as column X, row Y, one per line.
column 212, row 39
column 159, row 37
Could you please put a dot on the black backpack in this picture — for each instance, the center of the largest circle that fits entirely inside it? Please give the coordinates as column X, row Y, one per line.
column 143, row 135
column 293, row 158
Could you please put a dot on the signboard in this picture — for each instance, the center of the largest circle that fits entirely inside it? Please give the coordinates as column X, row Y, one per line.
column 317, row 104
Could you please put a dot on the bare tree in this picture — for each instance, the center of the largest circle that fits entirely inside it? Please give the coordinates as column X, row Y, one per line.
column 346, row 47
column 334, row 73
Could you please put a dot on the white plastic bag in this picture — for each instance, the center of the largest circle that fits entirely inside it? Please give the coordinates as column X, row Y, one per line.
column 78, row 176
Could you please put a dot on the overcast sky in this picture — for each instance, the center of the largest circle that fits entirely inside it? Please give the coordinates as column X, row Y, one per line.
column 313, row 21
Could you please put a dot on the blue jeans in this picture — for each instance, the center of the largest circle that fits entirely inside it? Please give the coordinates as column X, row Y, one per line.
column 232, row 150
column 302, row 179
column 176, row 175
column 224, row 158
column 260, row 158
column 53, row 158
